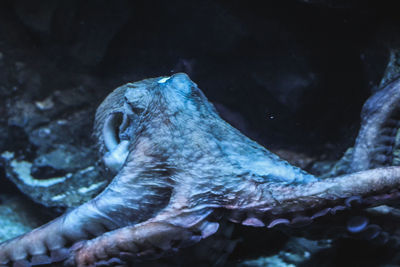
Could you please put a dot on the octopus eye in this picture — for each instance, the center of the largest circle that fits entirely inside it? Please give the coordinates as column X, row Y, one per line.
column 116, row 140
column 111, row 131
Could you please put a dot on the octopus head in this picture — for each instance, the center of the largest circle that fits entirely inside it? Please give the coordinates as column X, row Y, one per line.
column 134, row 109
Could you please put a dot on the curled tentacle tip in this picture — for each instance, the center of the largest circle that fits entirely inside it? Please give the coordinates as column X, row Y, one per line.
column 357, row 224
column 321, row 213
column 278, row 221
column 353, row 201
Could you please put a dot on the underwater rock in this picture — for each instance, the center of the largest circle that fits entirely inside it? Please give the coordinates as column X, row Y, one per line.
column 46, row 150
column 17, row 217
column 65, row 189
column 331, row 168
column 294, row 253
column 64, row 159
column 24, row 114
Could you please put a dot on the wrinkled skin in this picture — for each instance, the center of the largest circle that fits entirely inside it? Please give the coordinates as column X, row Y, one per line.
column 378, row 140
column 178, row 167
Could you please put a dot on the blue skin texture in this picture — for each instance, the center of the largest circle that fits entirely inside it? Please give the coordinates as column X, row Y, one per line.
column 176, row 163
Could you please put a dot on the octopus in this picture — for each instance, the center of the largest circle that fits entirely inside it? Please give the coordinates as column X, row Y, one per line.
column 181, row 172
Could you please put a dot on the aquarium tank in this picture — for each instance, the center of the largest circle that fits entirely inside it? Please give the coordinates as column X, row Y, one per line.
column 199, row 133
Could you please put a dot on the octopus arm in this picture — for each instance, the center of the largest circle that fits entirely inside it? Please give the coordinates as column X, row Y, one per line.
column 152, row 239
column 377, row 140
column 110, row 210
column 273, row 204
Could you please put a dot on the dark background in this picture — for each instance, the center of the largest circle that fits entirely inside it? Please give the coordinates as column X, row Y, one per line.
column 291, row 73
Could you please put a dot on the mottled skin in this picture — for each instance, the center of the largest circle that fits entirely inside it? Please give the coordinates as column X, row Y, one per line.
column 178, row 165
column 378, row 138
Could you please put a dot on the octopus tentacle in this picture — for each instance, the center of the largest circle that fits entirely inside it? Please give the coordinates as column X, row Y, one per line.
column 162, row 235
column 296, row 205
column 116, row 207
column 50, row 242
column 148, row 240
column 380, row 123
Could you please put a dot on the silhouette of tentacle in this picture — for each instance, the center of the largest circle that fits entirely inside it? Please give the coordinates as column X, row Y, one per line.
column 377, row 139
